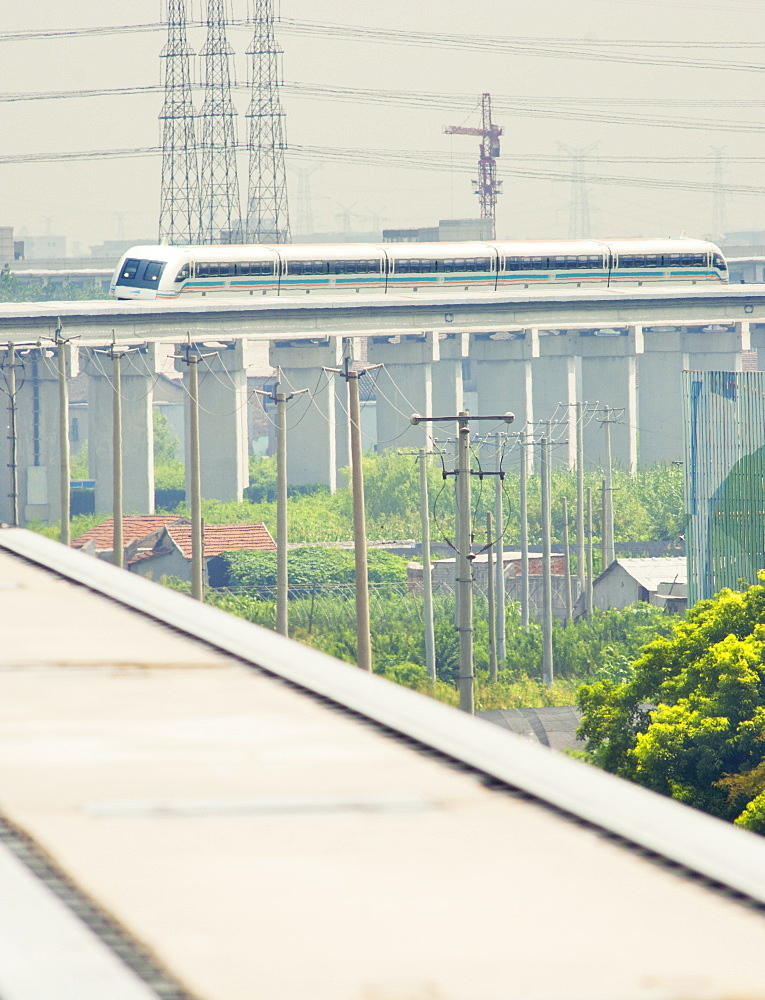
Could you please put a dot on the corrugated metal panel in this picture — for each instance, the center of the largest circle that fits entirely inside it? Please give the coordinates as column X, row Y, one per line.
column 725, row 480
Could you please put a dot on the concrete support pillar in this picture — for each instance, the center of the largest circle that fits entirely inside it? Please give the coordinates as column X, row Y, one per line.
column 660, row 403
column 448, row 396
column 37, row 424
column 557, row 386
column 312, row 417
column 716, row 350
column 609, row 378
column 222, row 418
column 138, row 370
column 503, row 376
column 404, row 387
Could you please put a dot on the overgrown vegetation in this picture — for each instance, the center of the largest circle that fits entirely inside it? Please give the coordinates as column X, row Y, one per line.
column 324, row 619
column 647, row 506
column 12, row 289
column 689, row 720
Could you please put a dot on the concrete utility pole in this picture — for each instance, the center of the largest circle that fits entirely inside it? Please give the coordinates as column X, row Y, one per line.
column 608, row 492
column 63, row 434
column 464, row 554
column 566, row 560
column 490, row 595
column 499, row 520
column 427, row 579
column 580, row 565
column 363, row 636
column 282, row 530
column 13, row 435
column 524, row 515
column 588, row 588
column 547, row 651
column 118, row 542
column 192, row 357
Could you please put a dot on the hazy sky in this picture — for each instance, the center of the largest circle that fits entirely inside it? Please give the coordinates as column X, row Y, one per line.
column 90, row 201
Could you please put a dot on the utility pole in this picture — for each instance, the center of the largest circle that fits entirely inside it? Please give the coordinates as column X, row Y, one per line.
column 63, row 434
column 524, row 515
column 547, row 652
column 363, row 635
column 192, row 357
column 282, row 530
column 608, row 493
column 490, row 595
column 464, row 555
column 427, row 579
column 14, row 438
column 566, row 560
column 500, row 566
column 588, row 587
column 118, row 542
column 580, row 563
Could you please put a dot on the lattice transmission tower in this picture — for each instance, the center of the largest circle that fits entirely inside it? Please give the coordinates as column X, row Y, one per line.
column 179, row 219
column 579, row 209
column 719, row 200
column 219, row 182
column 267, row 207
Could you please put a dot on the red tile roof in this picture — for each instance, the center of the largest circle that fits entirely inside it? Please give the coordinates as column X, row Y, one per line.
column 223, row 538
column 133, row 528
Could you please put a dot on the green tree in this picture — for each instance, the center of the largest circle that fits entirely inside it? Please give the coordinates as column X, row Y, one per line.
column 692, row 712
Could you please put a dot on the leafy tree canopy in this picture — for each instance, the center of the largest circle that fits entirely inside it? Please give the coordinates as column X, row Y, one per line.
column 690, row 720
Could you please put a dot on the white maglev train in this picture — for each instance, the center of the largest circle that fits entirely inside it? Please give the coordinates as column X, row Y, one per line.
column 168, row 272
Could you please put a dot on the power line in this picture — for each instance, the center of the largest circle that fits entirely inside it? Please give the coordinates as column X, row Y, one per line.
column 407, row 159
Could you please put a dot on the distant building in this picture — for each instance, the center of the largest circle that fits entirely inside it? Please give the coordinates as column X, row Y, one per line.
column 661, row 582
column 6, row 245
column 447, row 231
column 44, row 247
column 170, row 554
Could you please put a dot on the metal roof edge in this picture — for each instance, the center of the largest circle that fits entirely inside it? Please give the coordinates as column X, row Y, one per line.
column 705, row 845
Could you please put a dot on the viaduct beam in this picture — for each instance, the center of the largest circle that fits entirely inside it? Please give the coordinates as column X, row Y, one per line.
column 343, row 316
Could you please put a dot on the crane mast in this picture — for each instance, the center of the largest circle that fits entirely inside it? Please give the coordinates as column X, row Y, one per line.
column 487, row 187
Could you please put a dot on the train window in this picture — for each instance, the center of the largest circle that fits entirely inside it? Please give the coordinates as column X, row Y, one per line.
column 183, row 273
column 652, row 260
column 263, row 268
column 512, row 263
column 141, row 273
column 307, row 267
column 153, row 271
column 699, row 260
column 479, row 264
column 719, row 262
column 130, row 269
column 534, row 263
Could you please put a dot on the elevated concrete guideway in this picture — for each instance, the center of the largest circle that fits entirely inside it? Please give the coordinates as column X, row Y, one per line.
column 533, row 352
column 366, row 315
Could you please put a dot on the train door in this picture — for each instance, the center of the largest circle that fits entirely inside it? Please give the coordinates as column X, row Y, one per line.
column 386, row 271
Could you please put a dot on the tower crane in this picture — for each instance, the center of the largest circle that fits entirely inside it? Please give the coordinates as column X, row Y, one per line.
column 487, row 187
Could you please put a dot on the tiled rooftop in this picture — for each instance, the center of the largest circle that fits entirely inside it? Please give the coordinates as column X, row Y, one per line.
column 224, row 537
column 133, row 528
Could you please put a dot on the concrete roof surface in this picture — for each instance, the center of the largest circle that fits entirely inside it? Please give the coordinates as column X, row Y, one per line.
column 272, row 824
column 649, row 573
